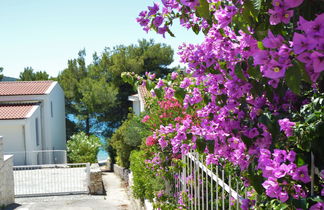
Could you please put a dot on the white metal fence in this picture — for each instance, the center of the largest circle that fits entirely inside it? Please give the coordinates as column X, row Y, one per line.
column 207, row 188
column 40, row 157
column 38, row 180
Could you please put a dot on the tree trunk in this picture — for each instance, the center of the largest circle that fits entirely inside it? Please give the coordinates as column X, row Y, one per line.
column 88, row 125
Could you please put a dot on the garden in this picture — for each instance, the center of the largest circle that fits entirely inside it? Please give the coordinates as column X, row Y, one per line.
column 250, row 101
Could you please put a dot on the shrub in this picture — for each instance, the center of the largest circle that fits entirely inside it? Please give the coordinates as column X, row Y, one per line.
column 145, row 181
column 82, row 148
column 128, row 137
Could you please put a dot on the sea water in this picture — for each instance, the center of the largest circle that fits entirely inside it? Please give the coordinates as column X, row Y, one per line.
column 102, row 154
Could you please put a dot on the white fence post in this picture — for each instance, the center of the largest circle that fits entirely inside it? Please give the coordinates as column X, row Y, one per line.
column 88, row 175
column 65, row 156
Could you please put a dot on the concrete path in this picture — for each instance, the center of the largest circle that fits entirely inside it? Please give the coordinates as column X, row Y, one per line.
column 116, row 199
column 116, row 193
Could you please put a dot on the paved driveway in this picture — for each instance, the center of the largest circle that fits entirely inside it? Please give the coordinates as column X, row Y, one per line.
column 116, row 199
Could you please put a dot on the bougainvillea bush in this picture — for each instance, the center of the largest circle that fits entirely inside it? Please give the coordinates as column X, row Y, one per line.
column 251, row 95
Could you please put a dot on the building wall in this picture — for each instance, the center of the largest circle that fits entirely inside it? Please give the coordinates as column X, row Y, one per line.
column 51, row 119
column 57, row 118
column 136, row 108
column 32, row 157
column 13, row 139
column 19, row 138
column 7, row 194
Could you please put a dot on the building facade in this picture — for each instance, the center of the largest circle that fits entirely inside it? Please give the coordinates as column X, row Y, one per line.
column 32, row 118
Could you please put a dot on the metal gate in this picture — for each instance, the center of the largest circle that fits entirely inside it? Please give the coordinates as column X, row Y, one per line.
column 39, row 180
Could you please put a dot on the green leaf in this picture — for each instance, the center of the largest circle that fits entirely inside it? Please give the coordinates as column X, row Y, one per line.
column 203, row 10
column 180, row 93
column 300, row 161
column 304, row 74
column 201, row 145
column 211, row 146
column 302, row 203
column 255, row 179
column 239, row 72
column 251, row 10
column 260, row 45
column 247, row 141
column 196, row 29
column 158, row 93
column 254, row 72
column 293, row 79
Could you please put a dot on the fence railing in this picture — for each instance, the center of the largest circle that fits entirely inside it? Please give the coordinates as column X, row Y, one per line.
column 39, row 157
column 39, row 180
column 202, row 187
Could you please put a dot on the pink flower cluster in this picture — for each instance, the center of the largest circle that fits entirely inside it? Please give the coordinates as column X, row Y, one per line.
column 309, row 45
column 224, row 104
column 275, row 61
column 282, row 11
column 286, row 126
column 280, row 165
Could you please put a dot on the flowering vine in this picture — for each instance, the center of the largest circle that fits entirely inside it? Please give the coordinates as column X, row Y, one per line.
column 243, row 94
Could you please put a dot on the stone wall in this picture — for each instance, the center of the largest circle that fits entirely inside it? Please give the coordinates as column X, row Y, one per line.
column 7, row 193
column 96, row 186
column 123, row 173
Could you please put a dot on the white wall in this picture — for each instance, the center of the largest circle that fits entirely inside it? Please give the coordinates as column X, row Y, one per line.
column 136, row 108
column 30, row 136
column 54, row 128
column 20, row 136
column 7, row 193
column 13, row 139
column 57, row 122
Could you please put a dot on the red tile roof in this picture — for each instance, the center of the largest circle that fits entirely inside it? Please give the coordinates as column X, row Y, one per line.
column 144, row 93
column 15, row 111
column 24, row 88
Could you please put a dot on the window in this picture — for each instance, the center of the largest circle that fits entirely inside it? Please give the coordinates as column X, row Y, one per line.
column 51, row 109
column 37, row 131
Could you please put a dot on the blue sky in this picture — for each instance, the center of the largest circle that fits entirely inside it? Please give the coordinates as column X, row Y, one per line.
column 44, row 34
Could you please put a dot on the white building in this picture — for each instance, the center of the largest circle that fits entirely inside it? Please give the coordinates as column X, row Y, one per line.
column 32, row 118
column 139, row 99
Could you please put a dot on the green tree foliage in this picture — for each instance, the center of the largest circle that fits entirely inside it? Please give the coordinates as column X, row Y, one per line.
column 96, row 93
column 88, row 94
column 82, row 148
column 29, row 75
column 128, row 137
column 1, row 75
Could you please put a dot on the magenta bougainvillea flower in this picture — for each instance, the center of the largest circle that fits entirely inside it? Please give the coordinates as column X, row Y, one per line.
column 153, row 10
column 317, row 206
column 158, row 21
column 292, row 3
column 301, row 43
column 185, row 83
column 170, row 3
column 286, row 126
column 301, row 174
column 160, row 83
column 190, row 3
column 318, row 61
column 272, row 41
column 230, row 82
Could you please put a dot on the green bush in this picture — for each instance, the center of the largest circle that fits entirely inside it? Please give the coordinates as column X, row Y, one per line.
column 146, row 183
column 82, row 148
column 128, row 137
